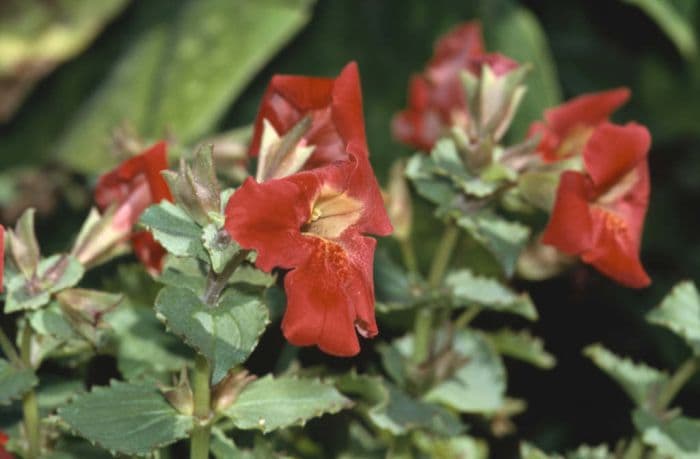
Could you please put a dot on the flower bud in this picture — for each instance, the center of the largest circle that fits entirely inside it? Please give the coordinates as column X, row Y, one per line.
column 23, row 244
column 180, row 394
column 100, row 239
column 225, row 393
column 283, row 156
column 399, row 206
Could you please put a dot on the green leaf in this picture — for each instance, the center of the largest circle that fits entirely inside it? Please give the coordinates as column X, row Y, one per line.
column 392, row 410
column 438, row 190
column 678, row 437
column 468, row 289
column 182, row 73
column 503, row 239
column 516, row 32
column 143, row 346
column 590, row 452
column 523, row 346
column 51, row 321
column 225, row 334
column 479, row 385
column 220, row 252
column 528, row 451
column 680, row 313
column 447, row 162
column 677, row 27
column 174, row 229
column 641, row 382
column 127, row 418
column 14, row 382
column 269, row 404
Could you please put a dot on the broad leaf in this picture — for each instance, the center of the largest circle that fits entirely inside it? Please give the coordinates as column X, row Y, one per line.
column 14, row 382
column 392, row 410
column 479, row 385
column 182, row 73
column 641, row 382
column 678, row 438
column 680, row 312
column 488, row 293
column 269, row 404
column 174, row 229
column 127, row 418
column 225, row 334
column 523, row 346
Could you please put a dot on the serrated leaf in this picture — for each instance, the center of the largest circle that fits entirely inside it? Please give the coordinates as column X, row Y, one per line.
column 523, row 346
column 174, row 229
column 14, row 382
column 678, row 437
column 438, row 190
column 528, row 451
column 462, row 446
column 479, row 385
column 488, row 293
column 680, row 313
column 127, row 418
column 502, row 238
column 182, row 73
column 269, row 404
column 590, row 452
column 641, row 382
column 677, row 27
column 143, row 347
column 225, row 334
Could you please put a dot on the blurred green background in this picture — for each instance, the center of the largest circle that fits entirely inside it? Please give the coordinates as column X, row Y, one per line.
column 191, row 68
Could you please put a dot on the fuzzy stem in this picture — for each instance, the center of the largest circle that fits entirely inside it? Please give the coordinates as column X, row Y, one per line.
column 409, row 256
column 9, row 349
column 217, row 282
column 678, row 380
column 199, row 448
column 443, row 254
column 30, row 406
column 466, row 317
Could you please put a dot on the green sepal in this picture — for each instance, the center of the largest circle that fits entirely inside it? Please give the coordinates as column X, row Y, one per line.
column 272, row 403
column 680, row 312
column 15, row 382
column 127, row 418
column 225, row 334
column 219, row 245
column 175, row 230
column 468, row 289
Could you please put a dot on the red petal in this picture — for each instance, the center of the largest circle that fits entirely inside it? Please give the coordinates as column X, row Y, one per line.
column 347, row 105
column 588, row 109
column 613, row 151
column 148, row 251
column 268, row 216
column 570, row 228
column 363, row 186
column 615, row 251
column 323, row 297
column 459, row 44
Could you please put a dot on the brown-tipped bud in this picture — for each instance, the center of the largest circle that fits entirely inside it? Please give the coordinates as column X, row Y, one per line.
column 180, row 395
column 399, row 204
column 100, row 239
column 225, row 393
column 86, row 305
column 24, row 246
column 195, row 186
column 539, row 261
column 283, row 156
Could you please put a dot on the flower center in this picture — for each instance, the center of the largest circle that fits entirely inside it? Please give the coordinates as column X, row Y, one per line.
column 331, row 214
column 574, row 141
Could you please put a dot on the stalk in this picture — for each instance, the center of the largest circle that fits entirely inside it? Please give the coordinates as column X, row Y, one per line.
column 30, row 406
column 678, row 380
column 199, row 448
column 9, row 349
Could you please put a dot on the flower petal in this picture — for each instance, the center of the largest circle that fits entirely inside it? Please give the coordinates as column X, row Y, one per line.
column 613, row 151
column 588, row 109
column 149, row 252
column 570, row 228
column 362, row 185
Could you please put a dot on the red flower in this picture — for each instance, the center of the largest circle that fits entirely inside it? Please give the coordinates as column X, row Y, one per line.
column 3, row 452
column 436, row 98
column 133, row 186
column 599, row 215
column 313, row 223
column 567, row 127
column 335, row 107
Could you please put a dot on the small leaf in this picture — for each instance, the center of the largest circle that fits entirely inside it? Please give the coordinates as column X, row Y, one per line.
column 461, row 446
column 641, row 382
column 590, row 452
column 468, row 289
column 50, row 321
column 269, row 404
column 174, row 229
column 677, row 27
column 678, row 438
column 438, row 190
column 127, row 418
column 14, row 382
column 528, row 451
column 680, row 313
column 523, row 346
column 225, row 334
column 503, row 239
column 220, row 248
column 479, row 385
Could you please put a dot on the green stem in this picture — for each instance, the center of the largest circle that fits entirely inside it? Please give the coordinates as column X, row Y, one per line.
column 466, row 317
column 677, row 381
column 421, row 335
column 634, row 450
column 30, row 406
column 199, row 446
column 409, row 256
column 443, row 254
column 217, row 282
column 9, row 349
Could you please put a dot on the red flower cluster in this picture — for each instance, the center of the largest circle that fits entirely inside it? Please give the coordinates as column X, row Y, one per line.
column 566, row 128
column 3, row 452
column 599, row 214
column 313, row 222
column 436, row 99
column 133, row 186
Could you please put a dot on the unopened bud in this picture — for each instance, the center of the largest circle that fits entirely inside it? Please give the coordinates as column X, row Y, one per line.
column 539, row 262
column 180, row 394
column 399, row 205
column 283, row 156
column 23, row 244
column 100, row 239
column 86, row 305
column 225, row 393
